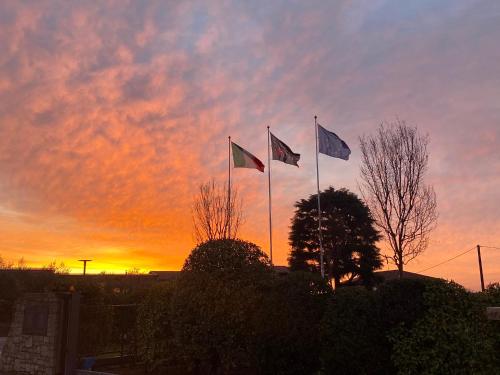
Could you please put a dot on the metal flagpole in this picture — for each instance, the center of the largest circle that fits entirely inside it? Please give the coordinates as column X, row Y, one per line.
column 320, row 236
column 229, row 187
column 269, row 185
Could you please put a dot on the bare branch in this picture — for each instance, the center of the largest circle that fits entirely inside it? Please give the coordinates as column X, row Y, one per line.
column 215, row 216
column 394, row 162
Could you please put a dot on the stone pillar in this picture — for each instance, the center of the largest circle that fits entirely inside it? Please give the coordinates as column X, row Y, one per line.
column 37, row 336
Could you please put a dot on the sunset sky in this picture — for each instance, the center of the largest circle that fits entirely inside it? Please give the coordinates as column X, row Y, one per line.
column 112, row 113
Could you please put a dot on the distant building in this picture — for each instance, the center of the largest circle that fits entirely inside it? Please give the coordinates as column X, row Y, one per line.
column 26, row 271
column 394, row 274
column 381, row 277
column 172, row 275
column 164, row 275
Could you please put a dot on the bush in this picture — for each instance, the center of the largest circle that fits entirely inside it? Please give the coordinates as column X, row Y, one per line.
column 357, row 323
column 352, row 337
column 287, row 324
column 229, row 313
column 220, row 285
column 155, row 327
column 452, row 337
column 236, row 259
column 401, row 302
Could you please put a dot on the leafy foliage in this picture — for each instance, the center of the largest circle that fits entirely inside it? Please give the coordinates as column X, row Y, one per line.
column 227, row 257
column 452, row 337
column 221, row 283
column 402, row 302
column 287, row 324
column 155, row 327
column 352, row 338
column 349, row 236
column 410, row 327
column 232, row 314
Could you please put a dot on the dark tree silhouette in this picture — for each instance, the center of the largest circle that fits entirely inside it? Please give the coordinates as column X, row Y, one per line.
column 394, row 162
column 219, row 287
column 349, row 237
column 217, row 215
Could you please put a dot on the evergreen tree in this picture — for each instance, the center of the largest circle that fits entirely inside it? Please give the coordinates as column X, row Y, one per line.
column 349, row 237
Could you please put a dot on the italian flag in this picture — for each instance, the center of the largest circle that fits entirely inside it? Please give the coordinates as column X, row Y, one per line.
column 243, row 159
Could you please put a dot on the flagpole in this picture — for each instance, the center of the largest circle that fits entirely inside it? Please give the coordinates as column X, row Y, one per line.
column 229, row 186
column 320, row 236
column 269, row 185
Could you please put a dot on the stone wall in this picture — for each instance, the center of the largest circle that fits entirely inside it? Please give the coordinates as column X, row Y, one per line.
column 33, row 344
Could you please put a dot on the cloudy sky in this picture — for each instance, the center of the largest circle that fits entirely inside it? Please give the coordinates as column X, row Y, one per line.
column 112, row 113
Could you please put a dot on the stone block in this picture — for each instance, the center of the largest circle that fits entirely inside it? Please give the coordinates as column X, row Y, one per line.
column 34, row 352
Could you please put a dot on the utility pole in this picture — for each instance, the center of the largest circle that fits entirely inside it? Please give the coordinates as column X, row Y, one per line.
column 480, row 267
column 85, row 264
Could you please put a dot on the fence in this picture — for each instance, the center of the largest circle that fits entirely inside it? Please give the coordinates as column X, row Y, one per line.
column 108, row 331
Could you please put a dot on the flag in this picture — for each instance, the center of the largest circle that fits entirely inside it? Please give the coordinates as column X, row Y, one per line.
column 243, row 159
column 282, row 152
column 330, row 144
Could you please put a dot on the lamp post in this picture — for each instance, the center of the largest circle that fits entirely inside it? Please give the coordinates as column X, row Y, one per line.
column 85, row 264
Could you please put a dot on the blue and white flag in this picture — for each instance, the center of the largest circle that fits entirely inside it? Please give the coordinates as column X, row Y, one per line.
column 330, row 144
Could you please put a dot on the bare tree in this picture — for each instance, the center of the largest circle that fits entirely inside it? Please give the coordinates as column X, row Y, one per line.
column 216, row 213
column 5, row 265
column 21, row 264
column 134, row 271
column 394, row 162
column 60, row 268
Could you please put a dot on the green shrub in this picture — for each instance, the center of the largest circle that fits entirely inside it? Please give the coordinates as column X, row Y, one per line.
column 352, row 338
column 220, row 285
column 229, row 313
column 401, row 302
column 452, row 337
column 155, row 327
column 287, row 324
column 357, row 323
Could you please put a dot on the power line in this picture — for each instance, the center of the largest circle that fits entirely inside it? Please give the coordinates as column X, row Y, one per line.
column 491, row 247
column 448, row 260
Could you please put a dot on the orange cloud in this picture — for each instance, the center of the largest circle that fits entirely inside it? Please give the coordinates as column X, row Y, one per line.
column 111, row 114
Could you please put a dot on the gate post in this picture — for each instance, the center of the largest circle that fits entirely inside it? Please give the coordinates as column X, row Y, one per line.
column 72, row 307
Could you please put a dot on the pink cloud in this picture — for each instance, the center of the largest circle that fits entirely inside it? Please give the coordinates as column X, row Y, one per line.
column 111, row 114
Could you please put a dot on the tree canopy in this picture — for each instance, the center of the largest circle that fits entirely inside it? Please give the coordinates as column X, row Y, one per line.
column 226, row 256
column 220, row 285
column 453, row 336
column 232, row 314
column 349, row 236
